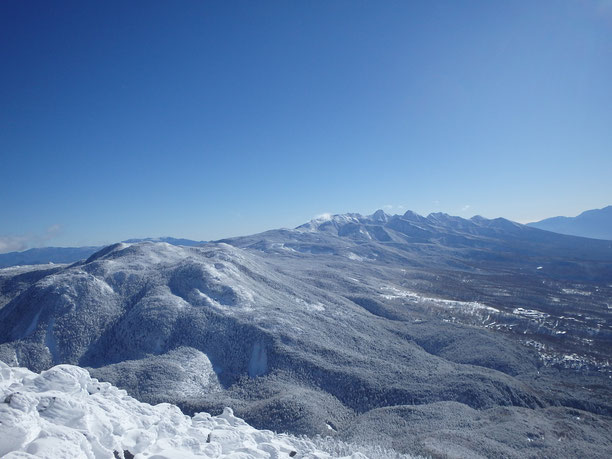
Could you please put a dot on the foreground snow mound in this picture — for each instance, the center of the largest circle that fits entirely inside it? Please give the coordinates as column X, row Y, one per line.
column 64, row 413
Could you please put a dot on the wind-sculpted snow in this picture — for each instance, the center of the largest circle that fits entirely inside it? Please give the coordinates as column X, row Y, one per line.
column 64, row 413
column 320, row 329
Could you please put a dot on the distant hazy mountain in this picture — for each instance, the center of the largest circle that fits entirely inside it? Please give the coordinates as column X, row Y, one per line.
column 596, row 223
column 45, row 255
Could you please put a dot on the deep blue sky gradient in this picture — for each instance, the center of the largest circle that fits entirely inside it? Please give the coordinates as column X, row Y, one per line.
column 212, row 119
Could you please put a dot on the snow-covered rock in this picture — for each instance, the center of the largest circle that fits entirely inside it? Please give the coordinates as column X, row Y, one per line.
column 64, row 413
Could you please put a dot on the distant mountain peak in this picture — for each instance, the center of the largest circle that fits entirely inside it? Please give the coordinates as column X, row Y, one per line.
column 380, row 216
column 439, row 216
column 410, row 213
column 594, row 212
column 328, row 220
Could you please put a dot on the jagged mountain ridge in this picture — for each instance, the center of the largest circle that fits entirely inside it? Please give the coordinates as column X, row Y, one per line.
column 323, row 328
column 451, row 231
column 477, row 243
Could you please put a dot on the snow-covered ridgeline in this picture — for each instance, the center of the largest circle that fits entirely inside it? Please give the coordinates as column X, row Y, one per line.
column 64, row 413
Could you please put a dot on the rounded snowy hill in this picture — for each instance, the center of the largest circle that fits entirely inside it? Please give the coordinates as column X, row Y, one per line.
column 231, row 315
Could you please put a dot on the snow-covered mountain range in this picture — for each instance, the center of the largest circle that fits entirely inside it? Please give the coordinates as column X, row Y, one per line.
column 353, row 326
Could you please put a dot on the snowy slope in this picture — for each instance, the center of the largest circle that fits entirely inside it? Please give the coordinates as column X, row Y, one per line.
column 64, row 413
column 133, row 311
column 347, row 326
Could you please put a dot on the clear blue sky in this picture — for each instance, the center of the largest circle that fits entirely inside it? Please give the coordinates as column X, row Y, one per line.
column 207, row 119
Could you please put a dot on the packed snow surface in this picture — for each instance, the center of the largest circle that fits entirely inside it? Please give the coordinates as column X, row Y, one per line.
column 64, row 413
